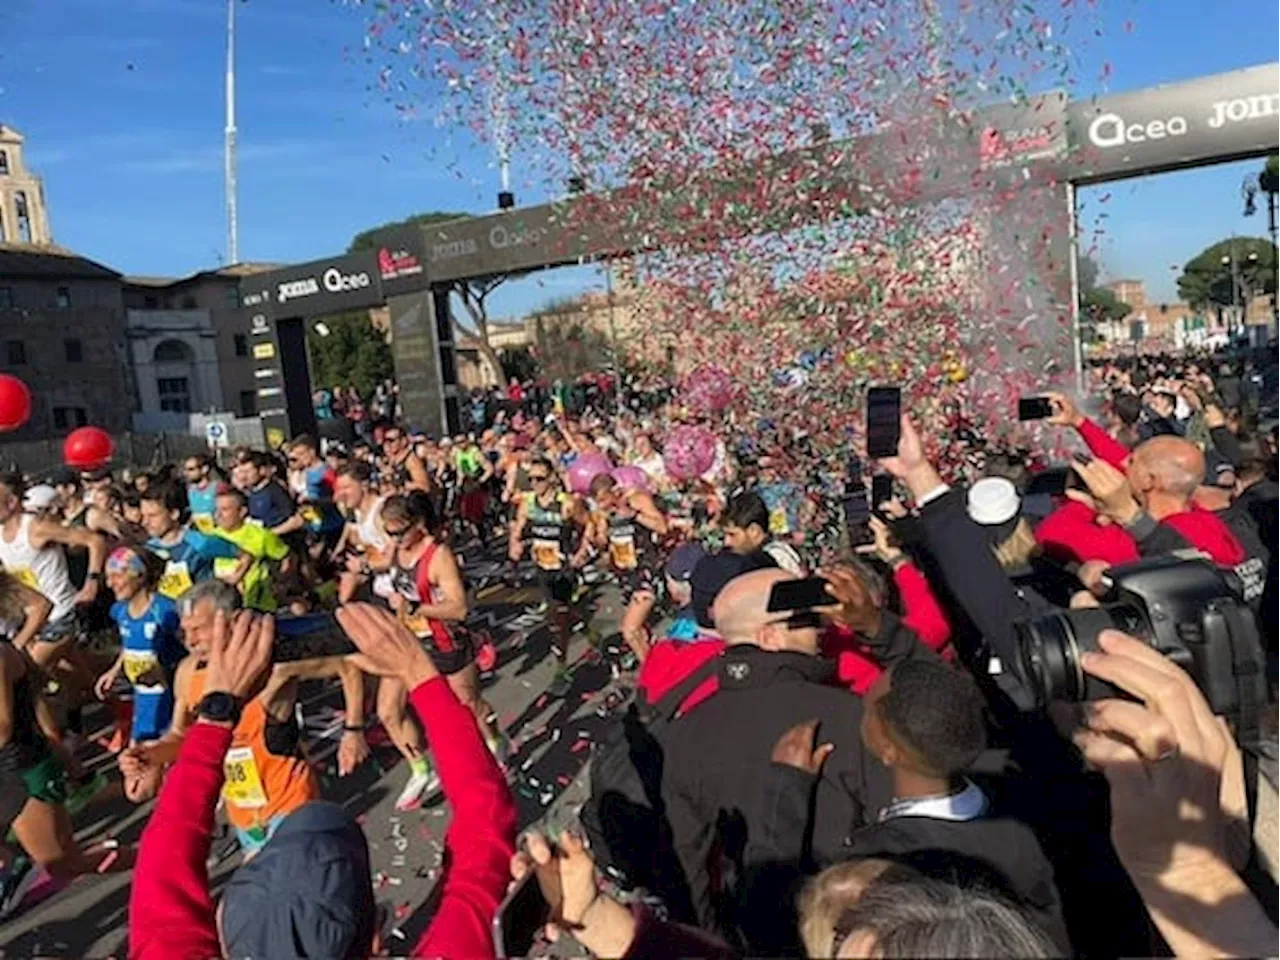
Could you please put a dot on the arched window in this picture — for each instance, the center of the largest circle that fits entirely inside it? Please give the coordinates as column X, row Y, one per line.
column 24, row 217
column 4, row 162
column 172, row 351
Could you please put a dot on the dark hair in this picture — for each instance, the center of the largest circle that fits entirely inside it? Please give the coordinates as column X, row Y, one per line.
column 167, row 495
column 923, row 917
column 14, row 482
column 938, row 711
column 412, row 507
column 744, row 510
column 304, row 440
column 1128, row 407
column 544, row 463
column 203, row 459
column 357, row 470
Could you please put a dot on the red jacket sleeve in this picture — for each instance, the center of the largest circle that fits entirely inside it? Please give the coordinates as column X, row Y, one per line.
column 1072, row 533
column 170, row 908
column 1102, row 445
column 480, row 840
column 920, row 609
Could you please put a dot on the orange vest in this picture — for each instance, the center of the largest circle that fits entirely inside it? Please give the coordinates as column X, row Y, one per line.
column 259, row 785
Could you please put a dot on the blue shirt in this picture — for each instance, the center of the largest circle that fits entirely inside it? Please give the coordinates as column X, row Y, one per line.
column 196, row 551
column 152, row 651
column 201, row 501
column 270, row 505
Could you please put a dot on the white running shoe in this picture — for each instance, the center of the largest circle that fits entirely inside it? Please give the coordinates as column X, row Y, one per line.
column 420, row 788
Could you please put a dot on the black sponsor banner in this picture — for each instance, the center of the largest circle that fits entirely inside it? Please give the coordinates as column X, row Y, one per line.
column 415, row 350
column 314, row 289
column 1210, row 119
column 401, row 260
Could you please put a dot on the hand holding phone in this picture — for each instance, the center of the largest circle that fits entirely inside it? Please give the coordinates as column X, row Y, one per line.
column 1034, row 408
column 552, row 885
column 884, row 415
column 807, row 594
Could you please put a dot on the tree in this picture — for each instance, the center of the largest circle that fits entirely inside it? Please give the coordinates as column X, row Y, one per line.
column 1229, row 272
column 1086, row 274
column 364, row 240
column 1100, row 306
column 353, row 354
column 518, row 363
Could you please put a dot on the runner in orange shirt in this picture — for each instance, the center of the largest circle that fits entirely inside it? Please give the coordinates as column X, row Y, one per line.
column 268, row 775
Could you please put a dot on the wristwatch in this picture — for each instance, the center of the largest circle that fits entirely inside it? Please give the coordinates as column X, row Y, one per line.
column 220, row 707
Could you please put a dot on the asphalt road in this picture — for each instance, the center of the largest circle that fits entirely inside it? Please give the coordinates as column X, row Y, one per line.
column 551, row 737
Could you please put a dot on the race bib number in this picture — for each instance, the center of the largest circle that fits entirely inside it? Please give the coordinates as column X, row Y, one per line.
column 622, row 551
column 142, row 667
column 547, row 555
column 243, row 786
column 419, row 625
column 202, row 522
column 25, row 576
column 778, row 521
column 176, row 580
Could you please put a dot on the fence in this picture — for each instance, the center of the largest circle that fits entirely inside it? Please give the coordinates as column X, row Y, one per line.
column 38, row 457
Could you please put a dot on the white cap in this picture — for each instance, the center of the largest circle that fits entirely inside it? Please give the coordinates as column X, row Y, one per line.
column 39, row 497
column 993, row 501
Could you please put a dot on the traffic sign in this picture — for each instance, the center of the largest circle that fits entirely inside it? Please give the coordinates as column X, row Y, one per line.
column 215, row 432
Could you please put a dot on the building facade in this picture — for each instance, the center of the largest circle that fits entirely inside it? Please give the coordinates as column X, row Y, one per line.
column 62, row 333
column 23, row 216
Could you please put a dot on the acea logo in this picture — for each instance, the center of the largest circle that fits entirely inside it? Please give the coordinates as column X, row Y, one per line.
column 1110, row 130
column 333, row 280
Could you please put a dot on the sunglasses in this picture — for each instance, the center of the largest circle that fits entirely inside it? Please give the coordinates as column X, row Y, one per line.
column 397, row 533
column 539, row 477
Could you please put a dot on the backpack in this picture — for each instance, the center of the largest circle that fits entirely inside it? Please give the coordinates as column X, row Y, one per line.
column 624, row 819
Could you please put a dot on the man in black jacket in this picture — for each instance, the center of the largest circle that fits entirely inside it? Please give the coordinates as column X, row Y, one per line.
column 771, row 678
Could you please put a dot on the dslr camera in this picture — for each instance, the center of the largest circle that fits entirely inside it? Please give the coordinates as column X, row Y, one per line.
column 1187, row 609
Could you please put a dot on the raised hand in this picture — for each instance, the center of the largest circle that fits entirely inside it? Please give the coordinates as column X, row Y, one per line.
column 796, row 748
column 240, row 654
column 387, row 648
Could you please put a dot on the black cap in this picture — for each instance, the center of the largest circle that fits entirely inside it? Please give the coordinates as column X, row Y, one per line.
column 713, row 572
column 64, row 477
column 309, row 891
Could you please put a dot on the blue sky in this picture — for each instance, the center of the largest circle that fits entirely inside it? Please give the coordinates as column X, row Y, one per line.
column 121, row 103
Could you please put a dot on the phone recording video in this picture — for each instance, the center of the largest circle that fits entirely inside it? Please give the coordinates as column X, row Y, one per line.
column 806, row 594
column 1034, row 408
column 519, row 918
column 881, row 490
column 884, row 415
column 310, row 637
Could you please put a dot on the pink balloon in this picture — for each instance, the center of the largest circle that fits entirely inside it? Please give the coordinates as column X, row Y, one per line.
column 689, row 451
column 585, row 469
column 630, row 478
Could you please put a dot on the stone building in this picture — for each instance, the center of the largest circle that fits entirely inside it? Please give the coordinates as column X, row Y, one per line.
column 62, row 333
column 190, row 345
column 23, row 217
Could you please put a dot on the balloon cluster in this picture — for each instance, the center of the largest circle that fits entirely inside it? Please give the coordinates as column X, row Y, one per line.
column 707, row 389
column 689, row 451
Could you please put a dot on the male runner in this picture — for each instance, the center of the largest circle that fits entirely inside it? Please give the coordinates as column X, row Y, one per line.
column 364, row 541
column 202, row 490
column 407, row 471
column 188, row 554
column 554, row 520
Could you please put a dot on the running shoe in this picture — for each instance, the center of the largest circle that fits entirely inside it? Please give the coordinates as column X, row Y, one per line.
column 82, row 792
column 420, row 788
column 561, row 682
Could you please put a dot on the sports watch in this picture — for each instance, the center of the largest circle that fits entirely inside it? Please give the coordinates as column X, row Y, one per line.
column 220, row 707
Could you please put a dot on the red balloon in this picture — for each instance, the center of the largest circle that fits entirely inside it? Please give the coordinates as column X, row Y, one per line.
column 15, row 403
column 88, row 448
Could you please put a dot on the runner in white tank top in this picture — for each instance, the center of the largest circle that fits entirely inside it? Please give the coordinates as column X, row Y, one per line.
column 31, row 550
column 44, row 569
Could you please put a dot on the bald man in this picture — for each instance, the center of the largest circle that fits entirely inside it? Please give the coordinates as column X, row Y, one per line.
column 771, row 679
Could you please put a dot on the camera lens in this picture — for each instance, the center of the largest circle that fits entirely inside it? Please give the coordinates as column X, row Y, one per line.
column 1050, row 650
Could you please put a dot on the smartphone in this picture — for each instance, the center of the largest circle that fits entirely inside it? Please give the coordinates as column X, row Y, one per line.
column 857, row 519
column 881, row 490
column 519, row 918
column 884, row 414
column 310, row 637
column 1052, row 482
column 799, row 595
column 1034, row 408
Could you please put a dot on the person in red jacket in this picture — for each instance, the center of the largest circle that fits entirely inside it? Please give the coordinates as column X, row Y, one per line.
column 1149, row 490
column 318, row 854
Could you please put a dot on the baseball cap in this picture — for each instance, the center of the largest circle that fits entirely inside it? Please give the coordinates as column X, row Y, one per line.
column 712, row 573
column 682, row 561
column 64, row 477
column 994, row 504
column 308, row 892
column 39, row 497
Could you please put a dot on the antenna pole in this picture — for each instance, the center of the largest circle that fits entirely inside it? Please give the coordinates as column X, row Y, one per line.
column 229, row 142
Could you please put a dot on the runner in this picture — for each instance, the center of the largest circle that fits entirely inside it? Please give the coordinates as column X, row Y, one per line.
column 267, row 773
column 364, row 542
column 631, row 525
column 311, row 481
column 552, row 518
column 188, row 554
column 150, row 648
column 202, row 489
column 33, row 785
column 406, row 470
column 263, row 555
column 474, row 471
